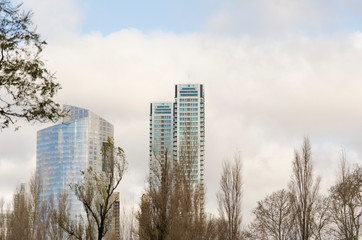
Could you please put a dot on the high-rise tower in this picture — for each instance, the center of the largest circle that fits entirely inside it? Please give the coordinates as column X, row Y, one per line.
column 179, row 129
column 161, row 127
column 66, row 149
column 189, row 128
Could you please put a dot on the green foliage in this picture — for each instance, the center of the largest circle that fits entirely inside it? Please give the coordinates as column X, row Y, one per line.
column 27, row 88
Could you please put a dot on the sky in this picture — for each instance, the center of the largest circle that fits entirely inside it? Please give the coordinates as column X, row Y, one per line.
column 274, row 71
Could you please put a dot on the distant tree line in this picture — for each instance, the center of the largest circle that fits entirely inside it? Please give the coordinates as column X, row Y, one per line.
column 172, row 207
column 301, row 212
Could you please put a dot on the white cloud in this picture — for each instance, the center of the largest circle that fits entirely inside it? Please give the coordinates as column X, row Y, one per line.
column 263, row 96
column 280, row 18
column 60, row 20
column 13, row 173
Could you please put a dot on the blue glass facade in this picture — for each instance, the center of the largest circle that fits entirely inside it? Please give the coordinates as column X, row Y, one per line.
column 66, row 149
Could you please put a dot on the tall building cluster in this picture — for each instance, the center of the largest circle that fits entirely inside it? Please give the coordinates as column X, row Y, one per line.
column 177, row 129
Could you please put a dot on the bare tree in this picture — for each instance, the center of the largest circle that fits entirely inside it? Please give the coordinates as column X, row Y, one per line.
column 173, row 205
column 74, row 228
column 274, row 218
column 255, row 231
column 128, row 222
column 3, row 216
column 346, row 205
column 95, row 191
column 38, row 210
column 18, row 224
column 214, row 228
column 28, row 218
column 188, row 190
column 229, row 198
column 155, row 215
column 160, row 196
column 322, row 218
column 31, row 218
column 304, row 189
column 187, row 204
column 144, row 217
column 50, row 221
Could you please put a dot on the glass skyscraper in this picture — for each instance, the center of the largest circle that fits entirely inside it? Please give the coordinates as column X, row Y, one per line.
column 180, row 126
column 66, row 149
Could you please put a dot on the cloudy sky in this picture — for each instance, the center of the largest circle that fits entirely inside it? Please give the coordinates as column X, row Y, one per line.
column 274, row 71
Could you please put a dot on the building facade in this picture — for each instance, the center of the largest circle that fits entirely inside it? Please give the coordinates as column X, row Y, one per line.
column 66, row 149
column 115, row 222
column 178, row 129
column 161, row 132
